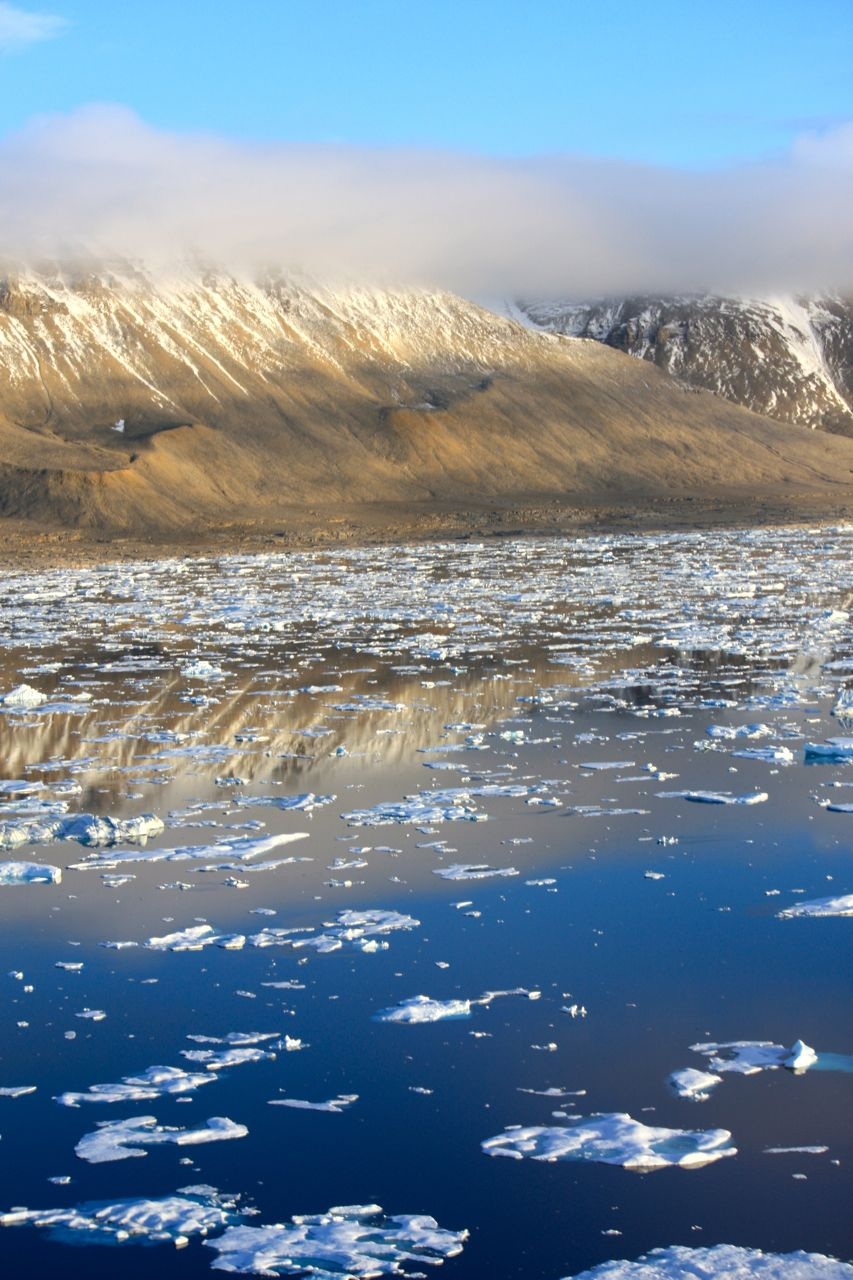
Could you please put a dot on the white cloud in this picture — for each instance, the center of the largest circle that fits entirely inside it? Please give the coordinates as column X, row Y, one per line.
column 19, row 27
column 100, row 182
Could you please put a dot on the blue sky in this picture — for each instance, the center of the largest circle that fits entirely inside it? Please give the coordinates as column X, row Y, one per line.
column 681, row 84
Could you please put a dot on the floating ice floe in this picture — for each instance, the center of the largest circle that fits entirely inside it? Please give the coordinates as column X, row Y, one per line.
column 353, row 1240
column 307, row 802
column 196, row 938
column 334, row 1105
column 716, row 797
column 729, row 732
column 721, row 1262
column 233, row 1056
column 693, row 1084
column 841, row 906
column 769, row 755
column 614, row 1138
column 201, row 669
column 365, row 930
column 833, row 751
column 843, row 707
column 154, row 1082
column 743, row 1057
column 84, row 828
column 239, row 847
column 29, row 873
column 124, row 1139
column 193, row 1211
column 423, row 1009
column 472, row 871
column 418, row 1009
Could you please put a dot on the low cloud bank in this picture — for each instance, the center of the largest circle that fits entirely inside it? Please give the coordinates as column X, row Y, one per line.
column 101, row 184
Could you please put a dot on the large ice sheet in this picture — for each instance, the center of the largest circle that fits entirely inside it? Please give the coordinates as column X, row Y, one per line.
column 614, row 1138
column 352, row 1240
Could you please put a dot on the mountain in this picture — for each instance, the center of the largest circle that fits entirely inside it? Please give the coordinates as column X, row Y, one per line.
column 789, row 358
column 130, row 403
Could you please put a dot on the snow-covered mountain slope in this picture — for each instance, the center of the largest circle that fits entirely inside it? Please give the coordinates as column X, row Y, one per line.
column 130, row 402
column 789, row 358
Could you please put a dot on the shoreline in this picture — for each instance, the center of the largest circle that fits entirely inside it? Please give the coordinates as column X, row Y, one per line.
column 26, row 544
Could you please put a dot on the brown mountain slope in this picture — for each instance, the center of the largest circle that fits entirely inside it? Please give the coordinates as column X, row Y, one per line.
column 242, row 400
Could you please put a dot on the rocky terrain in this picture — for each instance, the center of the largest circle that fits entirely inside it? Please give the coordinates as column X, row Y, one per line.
column 789, row 358
column 139, row 406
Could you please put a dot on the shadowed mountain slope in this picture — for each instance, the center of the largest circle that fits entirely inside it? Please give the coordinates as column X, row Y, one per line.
column 239, row 399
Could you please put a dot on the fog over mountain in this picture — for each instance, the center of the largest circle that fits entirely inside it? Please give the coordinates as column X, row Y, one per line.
column 100, row 184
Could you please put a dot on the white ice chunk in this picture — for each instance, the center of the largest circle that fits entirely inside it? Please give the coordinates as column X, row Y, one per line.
column 614, row 1138
column 353, row 1240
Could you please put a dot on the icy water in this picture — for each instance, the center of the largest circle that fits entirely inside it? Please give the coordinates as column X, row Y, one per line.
column 553, row 714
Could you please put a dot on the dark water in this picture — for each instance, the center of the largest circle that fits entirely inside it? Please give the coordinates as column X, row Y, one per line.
column 598, row 635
